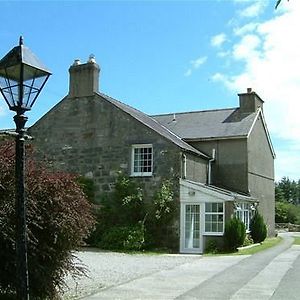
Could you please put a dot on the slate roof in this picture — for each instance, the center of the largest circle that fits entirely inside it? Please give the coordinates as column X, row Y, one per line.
column 221, row 123
column 153, row 124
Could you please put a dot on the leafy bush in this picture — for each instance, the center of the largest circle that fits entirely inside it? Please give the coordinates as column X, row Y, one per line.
column 123, row 208
column 121, row 214
column 163, row 200
column 124, row 238
column 212, row 247
column 58, row 218
column 258, row 228
column 287, row 213
column 235, row 233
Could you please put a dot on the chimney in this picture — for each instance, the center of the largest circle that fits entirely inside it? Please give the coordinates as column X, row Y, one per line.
column 84, row 78
column 250, row 101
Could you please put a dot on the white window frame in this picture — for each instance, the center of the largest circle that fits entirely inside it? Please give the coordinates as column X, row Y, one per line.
column 140, row 173
column 243, row 211
column 206, row 213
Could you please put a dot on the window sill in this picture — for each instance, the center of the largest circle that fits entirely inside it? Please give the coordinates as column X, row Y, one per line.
column 141, row 175
column 214, row 233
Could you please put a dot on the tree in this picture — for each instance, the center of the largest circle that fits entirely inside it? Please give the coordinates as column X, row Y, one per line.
column 235, row 234
column 58, row 218
column 287, row 190
column 258, row 228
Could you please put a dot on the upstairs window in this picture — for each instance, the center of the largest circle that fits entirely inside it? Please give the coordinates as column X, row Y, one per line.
column 142, row 160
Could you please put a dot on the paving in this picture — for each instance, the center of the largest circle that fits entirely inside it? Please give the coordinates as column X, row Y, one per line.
column 270, row 274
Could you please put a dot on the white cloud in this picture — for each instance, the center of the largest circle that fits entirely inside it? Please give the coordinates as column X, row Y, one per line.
column 253, row 10
column 195, row 64
column 223, row 53
column 198, row 62
column 247, row 47
column 248, row 28
column 218, row 40
column 268, row 57
column 188, row 73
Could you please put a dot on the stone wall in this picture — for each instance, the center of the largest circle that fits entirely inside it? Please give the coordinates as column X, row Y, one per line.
column 92, row 137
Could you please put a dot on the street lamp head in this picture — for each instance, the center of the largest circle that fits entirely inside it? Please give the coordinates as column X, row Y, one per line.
column 22, row 77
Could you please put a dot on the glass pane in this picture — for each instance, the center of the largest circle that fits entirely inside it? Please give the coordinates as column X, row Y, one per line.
column 220, row 207
column 214, row 227
column 192, row 226
column 208, row 218
column 208, row 226
column 220, row 227
column 214, row 207
column 208, row 207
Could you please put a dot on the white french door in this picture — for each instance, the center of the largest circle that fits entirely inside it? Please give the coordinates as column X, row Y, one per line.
column 192, row 229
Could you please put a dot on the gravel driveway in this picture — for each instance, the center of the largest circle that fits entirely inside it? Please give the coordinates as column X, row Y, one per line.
column 106, row 269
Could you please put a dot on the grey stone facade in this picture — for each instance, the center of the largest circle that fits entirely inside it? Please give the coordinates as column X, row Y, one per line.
column 91, row 134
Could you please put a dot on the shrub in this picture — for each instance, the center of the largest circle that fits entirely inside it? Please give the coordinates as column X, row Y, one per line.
column 123, row 208
column 286, row 212
column 126, row 222
column 235, row 233
column 258, row 228
column 212, row 247
column 58, row 218
column 124, row 238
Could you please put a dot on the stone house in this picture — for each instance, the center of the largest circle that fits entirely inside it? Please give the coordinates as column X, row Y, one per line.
column 220, row 161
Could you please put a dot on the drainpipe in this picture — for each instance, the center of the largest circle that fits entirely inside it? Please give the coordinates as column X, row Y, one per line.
column 184, row 166
column 213, row 158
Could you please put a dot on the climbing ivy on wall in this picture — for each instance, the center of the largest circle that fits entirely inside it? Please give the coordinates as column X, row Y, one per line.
column 125, row 220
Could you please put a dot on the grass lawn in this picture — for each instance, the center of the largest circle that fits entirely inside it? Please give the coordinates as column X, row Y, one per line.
column 297, row 240
column 267, row 243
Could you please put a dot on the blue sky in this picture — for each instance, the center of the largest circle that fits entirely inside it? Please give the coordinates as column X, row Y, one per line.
column 170, row 56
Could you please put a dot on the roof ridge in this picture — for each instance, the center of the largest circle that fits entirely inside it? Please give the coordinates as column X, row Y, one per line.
column 194, row 111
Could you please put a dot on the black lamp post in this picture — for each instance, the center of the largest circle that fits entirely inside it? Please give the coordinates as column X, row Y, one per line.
column 22, row 77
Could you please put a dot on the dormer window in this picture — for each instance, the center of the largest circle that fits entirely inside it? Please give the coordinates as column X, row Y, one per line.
column 142, row 160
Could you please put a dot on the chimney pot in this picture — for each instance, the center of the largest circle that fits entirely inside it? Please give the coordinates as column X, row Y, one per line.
column 84, row 78
column 76, row 62
column 92, row 59
column 249, row 90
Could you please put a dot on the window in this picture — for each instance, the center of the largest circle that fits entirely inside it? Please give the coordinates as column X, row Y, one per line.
column 142, row 160
column 243, row 212
column 214, row 218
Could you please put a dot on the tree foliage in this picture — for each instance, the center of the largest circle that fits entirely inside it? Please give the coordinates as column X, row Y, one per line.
column 258, row 228
column 287, row 213
column 288, row 190
column 58, row 218
column 287, row 205
column 235, row 233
